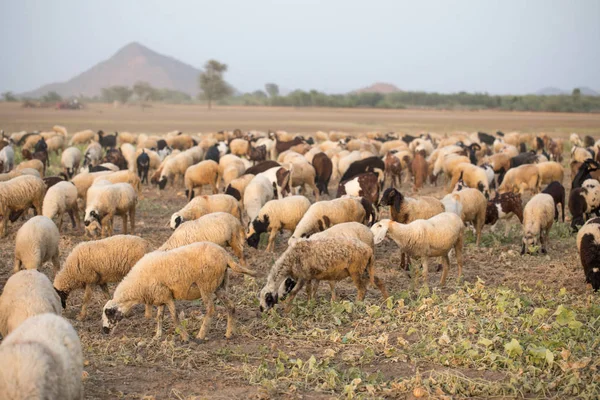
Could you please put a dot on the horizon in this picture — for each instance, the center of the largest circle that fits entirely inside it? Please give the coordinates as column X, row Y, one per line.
column 545, row 47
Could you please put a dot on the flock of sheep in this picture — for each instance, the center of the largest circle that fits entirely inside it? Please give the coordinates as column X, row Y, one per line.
column 264, row 180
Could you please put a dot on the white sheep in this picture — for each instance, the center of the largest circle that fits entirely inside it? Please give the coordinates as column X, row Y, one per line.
column 520, row 179
column 198, row 270
column 42, row 359
column 7, row 159
column 56, row 144
column 123, row 177
column 237, row 187
column 33, row 164
column 256, row 195
column 203, row 205
column 218, row 227
column 97, row 263
column 324, row 214
column 13, row 174
column 84, row 180
column 104, row 200
column 61, row 198
column 538, row 217
column 25, row 294
column 303, row 175
column 470, row 205
column 277, row 215
column 19, row 194
column 174, row 169
column 203, row 173
column 433, row 237
column 230, row 167
column 550, row 171
column 82, row 137
column 37, row 242
column 92, row 154
column 280, row 179
column 70, row 160
column 328, row 259
column 473, row 176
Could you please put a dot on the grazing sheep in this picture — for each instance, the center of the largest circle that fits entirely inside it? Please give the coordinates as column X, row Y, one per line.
column 550, row 171
column 25, row 294
column 433, row 237
column 37, row 242
column 363, row 185
column 92, row 154
column 584, row 172
column 473, row 205
column 280, row 178
column 38, row 155
column 538, row 216
column 557, row 191
column 104, row 200
column 61, row 198
column 237, row 187
column 84, row 180
column 7, row 159
column 82, row 137
column 256, row 195
column 504, row 206
column 588, row 243
column 473, row 176
column 218, row 227
column 42, row 359
column 174, row 168
column 520, row 179
column 123, row 177
column 406, row 209
column 419, row 169
column 303, row 175
column 369, row 164
column 143, row 165
column 203, row 173
column 198, row 270
column 202, row 205
column 329, row 259
column 31, row 141
column 56, row 144
column 275, row 216
column 32, row 164
column 181, row 142
column 393, row 169
column 97, row 263
column 325, row 214
column 116, row 157
column 19, row 194
column 70, row 160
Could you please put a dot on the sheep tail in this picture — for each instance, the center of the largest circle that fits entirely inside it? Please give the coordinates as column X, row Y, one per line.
column 239, row 269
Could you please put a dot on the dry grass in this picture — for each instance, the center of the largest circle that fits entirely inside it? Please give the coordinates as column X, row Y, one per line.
column 513, row 327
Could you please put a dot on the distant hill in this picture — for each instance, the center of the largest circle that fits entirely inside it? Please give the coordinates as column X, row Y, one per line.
column 379, row 87
column 552, row 91
column 131, row 64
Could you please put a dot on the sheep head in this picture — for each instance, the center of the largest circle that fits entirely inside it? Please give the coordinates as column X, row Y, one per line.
column 267, row 299
column 162, row 183
column 256, row 228
column 176, row 220
column 380, row 230
column 529, row 244
column 112, row 313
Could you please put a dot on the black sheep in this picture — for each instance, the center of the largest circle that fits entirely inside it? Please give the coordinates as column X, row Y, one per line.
column 143, row 165
column 583, row 173
column 369, row 164
column 528, row 157
column 213, row 153
column 323, row 168
column 589, row 252
column 557, row 191
column 262, row 167
column 107, row 141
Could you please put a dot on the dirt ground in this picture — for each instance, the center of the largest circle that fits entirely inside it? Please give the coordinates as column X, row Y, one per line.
column 450, row 342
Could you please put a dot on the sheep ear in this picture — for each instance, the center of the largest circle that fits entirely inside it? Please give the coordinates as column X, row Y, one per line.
column 397, row 203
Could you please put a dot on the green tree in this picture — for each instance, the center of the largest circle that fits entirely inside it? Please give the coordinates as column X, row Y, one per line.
column 9, row 96
column 272, row 89
column 212, row 84
column 51, row 97
column 116, row 93
column 143, row 90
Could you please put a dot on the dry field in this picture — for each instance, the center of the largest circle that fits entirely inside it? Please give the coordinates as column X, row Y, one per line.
column 515, row 326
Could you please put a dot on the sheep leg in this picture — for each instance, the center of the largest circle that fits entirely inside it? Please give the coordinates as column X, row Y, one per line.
column 478, row 229
column 72, row 218
column 86, row 299
column 214, row 187
column 425, row 263
column 210, row 311
column 171, row 306
column 458, row 250
column 299, row 285
column 17, row 265
column 124, row 216
column 132, row 220
column 271, row 243
column 360, row 286
column 56, row 263
column 445, row 265
column 381, row 287
column 544, row 240
column 104, row 288
column 159, row 321
column 238, row 249
column 222, row 296
column 60, row 221
column 310, row 290
column 332, row 287
column 147, row 311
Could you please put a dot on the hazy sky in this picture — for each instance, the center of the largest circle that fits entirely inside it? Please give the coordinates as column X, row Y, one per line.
column 479, row 45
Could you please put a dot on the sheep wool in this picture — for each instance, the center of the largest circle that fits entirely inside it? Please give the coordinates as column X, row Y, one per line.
column 538, row 217
column 256, row 195
column 61, row 198
column 42, row 359
column 588, row 244
column 19, row 194
column 36, row 243
column 203, row 205
column 197, row 270
column 97, row 263
column 26, row 293
column 203, row 173
column 105, row 200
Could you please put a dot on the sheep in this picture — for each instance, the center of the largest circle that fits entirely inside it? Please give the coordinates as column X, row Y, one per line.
column 504, row 206
column 303, row 175
column 70, row 160
column 369, row 164
column 538, row 216
column 123, row 177
column 32, row 164
column 262, row 167
column 41, row 155
column 280, row 180
column 97, row 263
column 203, row 173
column 202, row 205
column 42, row 359
column 323, row 169
column 217, row 227
column 520, row 179
column 580, row 154
column 433, row 237
column 56, row 144
column 393, row 169
column 82, row 137
column 588, row 240
column 575, row 140
column 13, row 174
column 186, row 273
column 239, row 147
column 104, row 200
column 419, row 169
column 18, row 194
column 92, row 154
column 583, row 201
column 37, row 242
column 107, row 141
column 143, row 165
column 277, row 215
column 25, row 294
column 324, row 214
column 174, row 168
column 330, row 259
column 59, row 198
column 31, row 141
column 584, row 172
column 7, row 159
column 116, row 157
column 557, row 191
column 473, row 205
column 127, row 138
column 405, row 209
column 237, row 187
column 363, row 185
column 181, row 142
column 550, row 171
column 83, row 181
column 473, row 176
column 257, row 193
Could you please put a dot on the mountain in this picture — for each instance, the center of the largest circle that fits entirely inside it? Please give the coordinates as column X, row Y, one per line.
column 379, row 87
column 131, row 64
